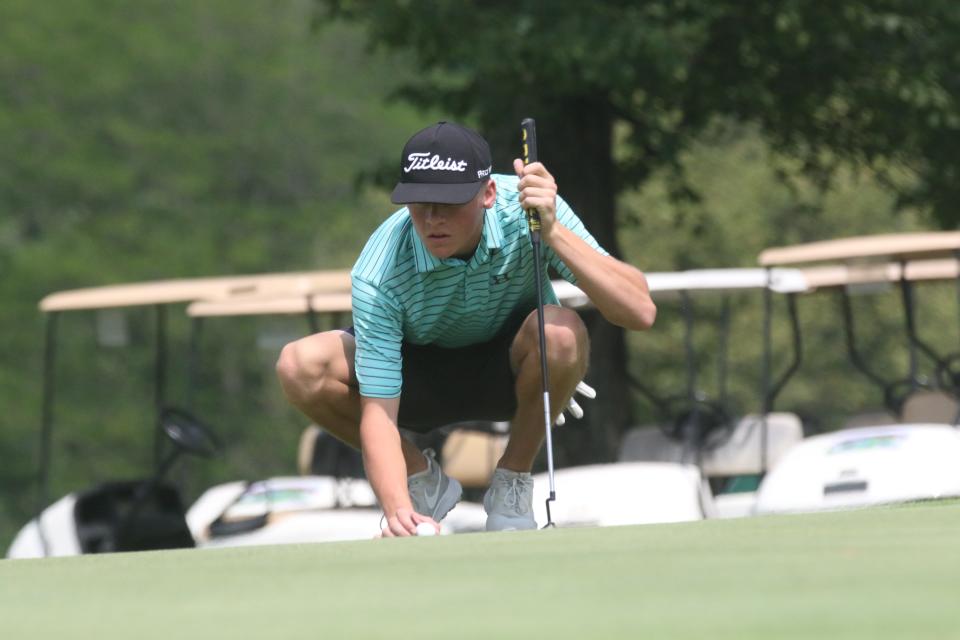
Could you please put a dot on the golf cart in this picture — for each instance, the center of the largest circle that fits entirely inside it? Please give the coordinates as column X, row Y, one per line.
column 469, row 453
column 331, row 498
column 144, row 513
column 912, row 451
column 700, row 433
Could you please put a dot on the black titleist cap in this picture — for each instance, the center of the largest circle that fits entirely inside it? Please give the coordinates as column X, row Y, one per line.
column 444, row 164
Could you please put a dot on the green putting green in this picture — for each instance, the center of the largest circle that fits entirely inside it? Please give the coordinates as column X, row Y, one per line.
column 878, row 573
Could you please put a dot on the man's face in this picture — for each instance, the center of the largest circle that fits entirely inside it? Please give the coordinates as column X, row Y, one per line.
column 452, row 230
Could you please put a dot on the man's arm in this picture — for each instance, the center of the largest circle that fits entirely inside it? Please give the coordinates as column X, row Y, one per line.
column 618, row 290
column 385, row 465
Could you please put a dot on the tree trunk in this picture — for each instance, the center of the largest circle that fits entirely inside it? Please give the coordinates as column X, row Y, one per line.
column 575, row 143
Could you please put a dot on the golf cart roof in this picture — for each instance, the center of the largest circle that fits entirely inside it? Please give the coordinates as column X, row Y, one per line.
column 842, row 275
column 780, row 280
column 269, row 301
column 900, row 246
column 262, row 303
column 190, row 289
column 337, row 302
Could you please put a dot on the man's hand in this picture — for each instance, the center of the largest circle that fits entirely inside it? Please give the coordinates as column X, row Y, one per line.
column 538, row 190
column 587, row 392
column 404, row 523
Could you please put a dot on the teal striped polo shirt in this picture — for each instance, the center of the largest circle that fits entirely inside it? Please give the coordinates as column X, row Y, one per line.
column 401, row 292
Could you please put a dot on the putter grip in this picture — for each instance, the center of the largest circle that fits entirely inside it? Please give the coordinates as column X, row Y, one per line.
column 529, row 129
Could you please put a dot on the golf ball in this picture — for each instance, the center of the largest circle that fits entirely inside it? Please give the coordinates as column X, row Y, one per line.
column 426, row 529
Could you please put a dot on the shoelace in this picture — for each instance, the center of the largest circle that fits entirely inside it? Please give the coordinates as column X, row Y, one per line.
column 511, row 498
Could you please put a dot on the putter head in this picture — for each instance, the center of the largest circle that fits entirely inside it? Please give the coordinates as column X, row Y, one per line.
column 550, row 523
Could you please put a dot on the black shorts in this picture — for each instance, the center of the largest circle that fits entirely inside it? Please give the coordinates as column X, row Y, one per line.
column 444, row 386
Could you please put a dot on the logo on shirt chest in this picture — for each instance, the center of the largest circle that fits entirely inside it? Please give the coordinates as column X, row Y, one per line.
column 499, row 278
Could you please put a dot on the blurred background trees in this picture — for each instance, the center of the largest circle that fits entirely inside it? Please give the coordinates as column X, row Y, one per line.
column 621, row 90
column 165, row 139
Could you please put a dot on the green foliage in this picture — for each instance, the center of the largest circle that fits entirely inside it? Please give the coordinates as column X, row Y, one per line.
column 623, row 91
column 156, row 140
column 174, row 139
column 870, row 81
column 745, row 208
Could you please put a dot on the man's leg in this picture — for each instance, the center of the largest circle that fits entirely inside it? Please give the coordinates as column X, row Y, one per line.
column 568, row 352
column 509, row 500
column 318, row 378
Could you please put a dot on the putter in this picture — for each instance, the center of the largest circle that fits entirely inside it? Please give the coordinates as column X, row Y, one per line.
column 529, row 129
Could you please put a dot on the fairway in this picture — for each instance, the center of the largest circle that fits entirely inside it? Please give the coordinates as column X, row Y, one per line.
column 881, row 573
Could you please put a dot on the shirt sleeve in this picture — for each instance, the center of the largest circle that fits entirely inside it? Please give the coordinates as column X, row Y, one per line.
column 569, row 219
column 378, row 329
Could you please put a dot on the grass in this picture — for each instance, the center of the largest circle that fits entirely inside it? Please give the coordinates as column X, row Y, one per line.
column 880, row 573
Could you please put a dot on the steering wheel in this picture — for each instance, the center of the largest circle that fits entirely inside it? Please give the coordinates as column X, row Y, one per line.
column 948, row 373
column 188, row 434
column 705, row 424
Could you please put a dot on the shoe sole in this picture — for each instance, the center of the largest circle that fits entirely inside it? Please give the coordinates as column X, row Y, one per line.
column 508, row 526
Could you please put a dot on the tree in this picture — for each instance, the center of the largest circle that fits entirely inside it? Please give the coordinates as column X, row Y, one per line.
column 621, row 88
column 169, row 139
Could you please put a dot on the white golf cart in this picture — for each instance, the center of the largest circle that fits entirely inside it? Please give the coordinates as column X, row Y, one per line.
column 148, row 513
column 698, row 448
column 309, row 507
column 911, row 452
column 329, row 500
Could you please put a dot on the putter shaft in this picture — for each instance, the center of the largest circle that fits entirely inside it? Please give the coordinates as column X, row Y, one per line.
column 528, row 127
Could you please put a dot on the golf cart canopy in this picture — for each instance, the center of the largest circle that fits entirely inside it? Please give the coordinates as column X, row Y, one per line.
column 190, row 289
column 276, row 296
column 899, row 246
column 269, row 299
column 833, row 276
column 778, row 280
column 338, row 302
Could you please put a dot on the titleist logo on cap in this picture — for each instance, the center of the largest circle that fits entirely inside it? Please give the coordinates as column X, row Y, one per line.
column 445, row 163
column 420, row 161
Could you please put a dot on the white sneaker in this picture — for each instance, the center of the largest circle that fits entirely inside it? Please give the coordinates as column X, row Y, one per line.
column 433, row 492
column 509, row 501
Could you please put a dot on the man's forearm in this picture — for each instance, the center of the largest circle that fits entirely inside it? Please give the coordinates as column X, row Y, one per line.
column 618, row 290
column 383, row 455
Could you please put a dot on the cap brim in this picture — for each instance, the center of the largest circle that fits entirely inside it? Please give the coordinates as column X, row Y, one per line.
column 410, row 192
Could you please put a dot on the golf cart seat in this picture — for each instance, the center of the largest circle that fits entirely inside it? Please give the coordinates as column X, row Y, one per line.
column 742, row 454
column 739, row 454
column 648, row 443
column 870, row 419
column 930, row 406
column 113, row 517
column 320, row 454
column 470, row 455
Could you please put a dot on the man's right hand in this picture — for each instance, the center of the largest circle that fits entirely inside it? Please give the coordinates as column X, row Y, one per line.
column 404, row 523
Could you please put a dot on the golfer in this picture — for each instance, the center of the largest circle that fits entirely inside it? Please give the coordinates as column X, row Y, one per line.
column 445, row 327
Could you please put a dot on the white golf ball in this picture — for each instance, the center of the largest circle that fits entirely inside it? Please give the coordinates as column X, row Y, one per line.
column 426, row 529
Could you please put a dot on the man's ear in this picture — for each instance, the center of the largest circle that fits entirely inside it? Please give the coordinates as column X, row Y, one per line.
column 489, row 194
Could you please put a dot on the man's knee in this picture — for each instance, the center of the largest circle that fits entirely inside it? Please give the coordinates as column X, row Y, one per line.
column 305, row 367
column 566, row 337
column 290, row 370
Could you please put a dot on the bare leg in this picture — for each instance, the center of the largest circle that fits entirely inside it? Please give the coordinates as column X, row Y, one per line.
column 318, row 378
column 568, row 348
